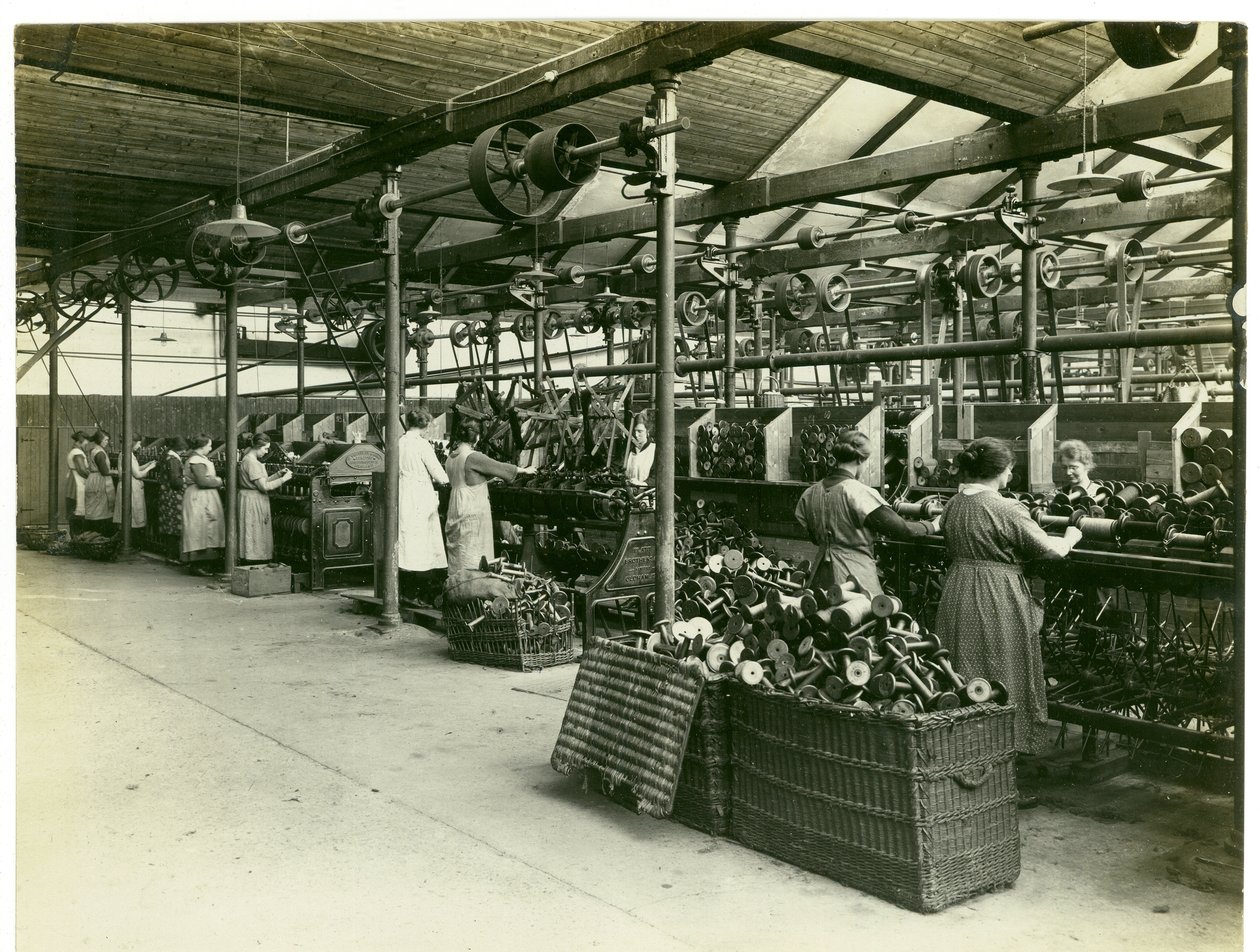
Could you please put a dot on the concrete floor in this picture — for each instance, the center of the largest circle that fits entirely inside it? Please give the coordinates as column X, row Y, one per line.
column 198, row 771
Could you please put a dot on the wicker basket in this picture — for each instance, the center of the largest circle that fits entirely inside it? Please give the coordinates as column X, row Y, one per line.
column 504, row 642
column 98, row 550
column 703, row 799
column 38, row 537
column 919, row 811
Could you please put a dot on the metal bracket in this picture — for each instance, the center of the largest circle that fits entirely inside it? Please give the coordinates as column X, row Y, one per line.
column 529, row 296
column 724, row 272
column 1023, row 228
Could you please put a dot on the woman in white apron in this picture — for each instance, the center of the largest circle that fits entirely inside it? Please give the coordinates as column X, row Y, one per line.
column 76, row 481
column 469, row 527
column 641, row 457
column 98, row 490
column 139, row 517
column 420, row 544
column 203, row 538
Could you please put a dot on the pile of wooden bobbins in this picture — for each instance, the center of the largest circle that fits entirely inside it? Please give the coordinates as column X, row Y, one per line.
column 758, row 619
column 536, row 602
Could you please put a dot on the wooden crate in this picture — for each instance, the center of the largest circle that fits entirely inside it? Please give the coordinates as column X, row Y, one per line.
column 1138, row 441
column 920, row 441
column 778, row 430
column 868, row 418
column 323, row 427
column 687, row 423
column 1030, row 428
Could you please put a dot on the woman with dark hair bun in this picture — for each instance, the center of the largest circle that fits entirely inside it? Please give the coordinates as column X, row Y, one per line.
column 98, row 490
column 469, row 527
column 77, row 473
column 203, row 525
column 987, row 617
column 255, row 541
column 171, row 497
column 843, row 514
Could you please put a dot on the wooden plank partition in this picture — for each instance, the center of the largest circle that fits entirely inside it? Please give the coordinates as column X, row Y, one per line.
column 1030, row 428
column 1139, row 441
column 687, row 421
column 868, row 418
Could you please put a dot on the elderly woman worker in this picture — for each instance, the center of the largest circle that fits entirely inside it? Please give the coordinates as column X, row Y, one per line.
column 76, row 480
column 469, row 529
column 1077, row 460
column 843, row 514
column 641, row 456
column 98, row 490
column 254, row 541
column 203, row 533
column 420, row 544
column 139, row 517
column 987, row 617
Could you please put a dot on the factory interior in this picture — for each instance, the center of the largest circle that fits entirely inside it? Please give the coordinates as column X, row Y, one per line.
column 610, row 484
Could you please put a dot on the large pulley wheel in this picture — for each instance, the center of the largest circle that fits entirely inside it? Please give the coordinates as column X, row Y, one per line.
column 1146, row 44
column 635, row 315
column 692, row 309
column 29, row 314
column 548, row 160
column 981, row 276
column 217, row 263
column 343, row 311
column 553, row 325
column 147, row 276
column 372, row 337
column 497, row 175
column 834, row 293
column 795, row 296
column 523, row 325
column 1123, row 252
column 587, row 320
column 78, row 295
column 1002, row 327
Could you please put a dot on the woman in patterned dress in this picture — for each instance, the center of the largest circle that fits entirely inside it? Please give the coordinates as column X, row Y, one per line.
column 843, row 515
column 988, row 618
column 171, row 497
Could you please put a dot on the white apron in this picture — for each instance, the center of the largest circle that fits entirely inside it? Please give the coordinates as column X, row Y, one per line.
column 420, row 545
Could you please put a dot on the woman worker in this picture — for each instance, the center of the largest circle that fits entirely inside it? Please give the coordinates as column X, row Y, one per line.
column 139, row 517
column 76, row 480
column 420, row 544
column 987, row 617
column 844, row 515
column 1077, row 461
column 98, row 490
column 469, row 531
column 641, row 456
column 203, row 530
column 254, row 541
column 171, row 497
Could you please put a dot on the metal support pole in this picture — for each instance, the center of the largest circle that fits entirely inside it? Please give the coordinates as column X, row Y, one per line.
column 422, row 372
column 757, row 333
column 958, row 368
column 301, row 363
column 665, row 88
column 124, row 446
column 54, row 468
column 1233, row 43
column 1028, row 305
column 732, row 236
column 230, row 339
column 388, row 560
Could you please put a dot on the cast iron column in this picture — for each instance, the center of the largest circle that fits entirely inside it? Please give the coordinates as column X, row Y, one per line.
column 1028, row 292
column 230, row 456
column 393, row 426
column 124, row 446
column 665, row 88
column 732, row 236
column 54, row 468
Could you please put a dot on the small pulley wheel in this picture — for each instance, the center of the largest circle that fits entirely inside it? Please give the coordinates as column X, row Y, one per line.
column 29, row 314
column 553, row 325
column 549, row 162
column 460, row 333
column 372, row 337
column 691, row 308
column 496, row 173
column 1123, row 252
column 643, row 264
column 213, row 262
column 834, row 293
column 981, row 276
column 906, row 222
column 1135, row 186
column 635, row 315
column 523, row 325
column 1049, row 274
column 147, row 276
column 571, row 274
column 717, row 303
column 810, row 237
column 795, row 296
column 342, row 311
column 587, row 320
column 484, row 331
column 78, row 295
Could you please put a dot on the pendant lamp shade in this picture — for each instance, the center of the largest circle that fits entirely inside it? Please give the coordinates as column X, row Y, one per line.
column 239, row 228
column 1086, row 181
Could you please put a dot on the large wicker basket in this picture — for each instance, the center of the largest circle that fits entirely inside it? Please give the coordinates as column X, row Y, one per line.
column 920, row 811
column 38, row 538
column 703, row 799
column 505, row 642
column 98, row 550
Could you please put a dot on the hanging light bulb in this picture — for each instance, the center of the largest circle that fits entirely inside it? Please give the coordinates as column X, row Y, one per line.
column 238, row 227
